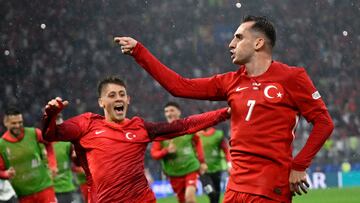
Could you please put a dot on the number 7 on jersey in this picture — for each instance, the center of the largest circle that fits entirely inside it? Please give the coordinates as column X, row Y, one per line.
column 251, row 105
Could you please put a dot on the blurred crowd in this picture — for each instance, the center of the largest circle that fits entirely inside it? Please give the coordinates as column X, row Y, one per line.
column 62, row 48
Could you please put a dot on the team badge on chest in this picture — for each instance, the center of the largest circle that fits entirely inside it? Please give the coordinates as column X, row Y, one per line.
column 273, row 92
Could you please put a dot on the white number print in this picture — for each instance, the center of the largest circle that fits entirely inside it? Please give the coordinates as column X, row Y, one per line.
column 250, row 104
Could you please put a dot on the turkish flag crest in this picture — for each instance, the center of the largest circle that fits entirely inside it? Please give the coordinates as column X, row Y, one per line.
column 273, row 92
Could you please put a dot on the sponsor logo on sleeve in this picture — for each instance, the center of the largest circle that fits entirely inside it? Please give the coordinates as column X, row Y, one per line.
column 316, row 95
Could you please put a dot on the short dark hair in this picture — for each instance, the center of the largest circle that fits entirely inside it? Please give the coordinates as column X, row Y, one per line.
column 171, row 103
column 263, row 25
column 12, row 111
column 109, row 80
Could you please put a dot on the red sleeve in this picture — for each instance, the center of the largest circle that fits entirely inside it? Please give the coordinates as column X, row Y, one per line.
column 49, row 150
column 304, row 95
column 199, row 149
column 188, row 125
column 323, row 126
column 225, row 147
column 70, row 130
column 3, row 172
column 199, row 88
column 157, row 152
column 312, row 107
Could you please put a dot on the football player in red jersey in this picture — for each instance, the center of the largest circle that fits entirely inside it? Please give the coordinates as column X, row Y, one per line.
column 111, row 148
column 266, row 97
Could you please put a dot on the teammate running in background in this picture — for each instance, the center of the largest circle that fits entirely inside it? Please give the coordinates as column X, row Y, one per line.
column 21, row 160
column 63, row 181
column 266, row 97
column 182, row 158
column 111, row 148
column 216, row 152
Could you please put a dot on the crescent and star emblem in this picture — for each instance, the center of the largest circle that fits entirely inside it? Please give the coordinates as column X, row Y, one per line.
column 273, row 93
column 130, row 136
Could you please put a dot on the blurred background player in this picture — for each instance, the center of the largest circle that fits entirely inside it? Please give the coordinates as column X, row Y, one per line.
column 217, row 158
column 182, row 158
column 111, row 148
column 22, row 160
column 63, row 181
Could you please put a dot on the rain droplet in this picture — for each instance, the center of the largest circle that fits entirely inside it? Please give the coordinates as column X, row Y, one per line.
column 43, row 26
column 345, row 33
column 238, row 5
column 6, row 52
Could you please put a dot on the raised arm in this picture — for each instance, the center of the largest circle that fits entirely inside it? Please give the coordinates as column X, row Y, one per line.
column 188, row 125
column 199, row 88
column 69, row 130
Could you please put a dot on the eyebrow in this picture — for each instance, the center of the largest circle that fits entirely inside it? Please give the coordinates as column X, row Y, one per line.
column 238, row 35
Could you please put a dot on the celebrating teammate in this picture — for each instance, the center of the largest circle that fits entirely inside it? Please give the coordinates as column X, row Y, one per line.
column 182, row 158
column 267, row 97
column 22, row 160
column 216, row 152
column 111, row 148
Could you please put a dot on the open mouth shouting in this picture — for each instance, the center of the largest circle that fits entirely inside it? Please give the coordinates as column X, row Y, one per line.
column 119, row 109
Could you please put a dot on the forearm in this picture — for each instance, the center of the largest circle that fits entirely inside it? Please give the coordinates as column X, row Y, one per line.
column 3, row 172
column 49, row 128
column 159, row 154
column 178, row 86
column 189, row 125
column 69, row 130
column 323, row 127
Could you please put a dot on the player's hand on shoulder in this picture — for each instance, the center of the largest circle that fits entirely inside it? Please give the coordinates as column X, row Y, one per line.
column 127, row 44
column 298, row 182
column 54, row 106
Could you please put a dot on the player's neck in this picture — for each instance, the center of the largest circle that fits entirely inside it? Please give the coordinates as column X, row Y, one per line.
column 258, row 67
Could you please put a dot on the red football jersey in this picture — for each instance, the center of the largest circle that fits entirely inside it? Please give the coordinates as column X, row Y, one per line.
column 112, row 154
column 265, row 111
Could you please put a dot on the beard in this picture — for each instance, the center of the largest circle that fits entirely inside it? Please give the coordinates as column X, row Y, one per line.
column 16, row 131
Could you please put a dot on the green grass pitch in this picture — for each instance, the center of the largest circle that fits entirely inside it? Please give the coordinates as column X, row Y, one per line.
column 333, row 195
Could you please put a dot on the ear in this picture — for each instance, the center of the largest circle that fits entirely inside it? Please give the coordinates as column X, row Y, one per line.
column 128, row 100
column 5, row 121
column 259, row 43
column 100, row 102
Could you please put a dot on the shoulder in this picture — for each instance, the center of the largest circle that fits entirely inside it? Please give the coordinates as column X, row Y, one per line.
column 91, row 116
column 288, row 72
column 87, row 117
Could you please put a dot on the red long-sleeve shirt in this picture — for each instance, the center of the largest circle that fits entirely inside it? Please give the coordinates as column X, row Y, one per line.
column 48, row 146
column 112, row 154
column 265, row 110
